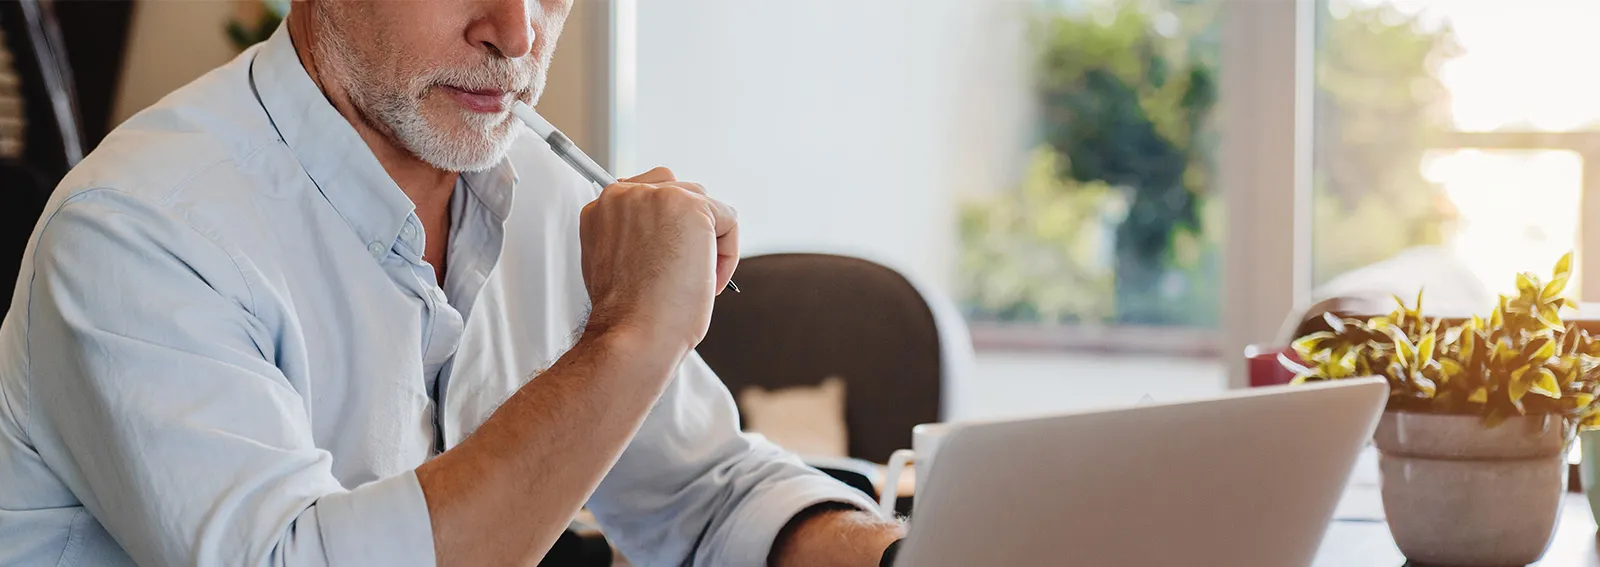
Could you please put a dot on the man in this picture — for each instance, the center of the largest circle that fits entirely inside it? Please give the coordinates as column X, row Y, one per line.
column 290, row 314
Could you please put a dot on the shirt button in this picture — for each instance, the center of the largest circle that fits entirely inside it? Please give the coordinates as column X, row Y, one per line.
column 407, row 232
column 376, row 249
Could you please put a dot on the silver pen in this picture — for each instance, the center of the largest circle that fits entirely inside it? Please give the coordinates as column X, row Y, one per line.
column 569, row 152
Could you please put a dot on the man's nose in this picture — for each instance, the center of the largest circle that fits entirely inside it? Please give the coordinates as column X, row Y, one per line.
column 505, row 27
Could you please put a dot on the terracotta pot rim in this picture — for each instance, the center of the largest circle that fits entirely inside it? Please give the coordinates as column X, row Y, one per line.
column 1462, row 437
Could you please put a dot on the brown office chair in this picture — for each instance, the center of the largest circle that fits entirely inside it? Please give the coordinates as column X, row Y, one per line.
column 800, row 318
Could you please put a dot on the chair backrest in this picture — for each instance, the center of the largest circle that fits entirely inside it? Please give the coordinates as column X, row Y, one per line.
column 53, row 138
column 800, row 318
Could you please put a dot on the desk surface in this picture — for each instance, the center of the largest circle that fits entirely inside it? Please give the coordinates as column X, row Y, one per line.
column 1359, row 536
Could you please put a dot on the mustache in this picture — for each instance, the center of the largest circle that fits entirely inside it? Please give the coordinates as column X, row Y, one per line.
column 494, row 73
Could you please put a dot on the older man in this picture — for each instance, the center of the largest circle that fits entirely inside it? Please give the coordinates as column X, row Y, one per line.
column 321, row 306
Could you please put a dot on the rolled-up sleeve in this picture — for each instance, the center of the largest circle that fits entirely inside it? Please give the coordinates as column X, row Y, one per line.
column 692, row 490
column 154, row 396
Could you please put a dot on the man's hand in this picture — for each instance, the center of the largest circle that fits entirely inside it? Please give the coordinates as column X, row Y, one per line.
column 834, row 536
column 656, row 251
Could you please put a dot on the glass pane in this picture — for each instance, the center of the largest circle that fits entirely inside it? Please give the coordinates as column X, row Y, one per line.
column 1407, row 192
column 1115, row 219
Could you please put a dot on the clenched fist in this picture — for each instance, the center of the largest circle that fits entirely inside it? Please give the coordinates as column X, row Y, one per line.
column 656, row 252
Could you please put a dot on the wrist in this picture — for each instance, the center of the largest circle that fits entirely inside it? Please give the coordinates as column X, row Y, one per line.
column 637, row 345
column 834, row 534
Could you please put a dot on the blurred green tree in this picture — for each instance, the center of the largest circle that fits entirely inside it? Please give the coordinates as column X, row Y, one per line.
column 1125, row 89
column 1123, row 107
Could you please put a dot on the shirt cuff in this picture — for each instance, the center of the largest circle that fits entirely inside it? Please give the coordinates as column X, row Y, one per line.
column 384, row 522
column 767, row 514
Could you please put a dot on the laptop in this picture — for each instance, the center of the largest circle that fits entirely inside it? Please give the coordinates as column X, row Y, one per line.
column 1247, row 479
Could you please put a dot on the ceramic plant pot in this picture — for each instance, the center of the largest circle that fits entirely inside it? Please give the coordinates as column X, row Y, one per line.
column 1459, row 494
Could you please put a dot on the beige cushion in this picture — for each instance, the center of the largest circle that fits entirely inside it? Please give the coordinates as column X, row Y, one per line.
column 808, row 420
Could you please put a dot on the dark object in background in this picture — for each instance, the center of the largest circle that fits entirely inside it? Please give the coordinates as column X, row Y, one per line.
column 53, row 139
column 580, row 546
column 67, row 59
column 24, row 192
column 804, row 317
column 96, row 38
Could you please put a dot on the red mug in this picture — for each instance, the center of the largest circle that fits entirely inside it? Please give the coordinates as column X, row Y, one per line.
column 1263, row 366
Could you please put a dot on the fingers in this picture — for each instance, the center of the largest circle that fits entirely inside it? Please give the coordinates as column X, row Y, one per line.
column 657, row 175
column 726, row 221
column 662, row 184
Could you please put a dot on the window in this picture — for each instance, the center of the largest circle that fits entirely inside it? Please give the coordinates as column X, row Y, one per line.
column 1452, row 144
column 1115, row 219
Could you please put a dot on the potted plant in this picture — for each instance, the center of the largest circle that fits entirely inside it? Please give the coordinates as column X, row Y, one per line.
column 1472, row 444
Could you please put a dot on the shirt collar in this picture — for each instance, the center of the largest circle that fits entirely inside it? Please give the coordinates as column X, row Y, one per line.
column 334, row 155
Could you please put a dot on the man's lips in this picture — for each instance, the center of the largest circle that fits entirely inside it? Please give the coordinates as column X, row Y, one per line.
column 488, row 101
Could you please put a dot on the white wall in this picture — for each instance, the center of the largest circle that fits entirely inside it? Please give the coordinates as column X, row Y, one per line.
column 836, row 125
column 169, row 44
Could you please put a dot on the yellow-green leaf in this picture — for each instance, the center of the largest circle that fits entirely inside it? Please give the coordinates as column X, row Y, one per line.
column 1403, row 349
column 1518, row 387
column 1564, row 265
column 1425, row 349
column 1308, row 344
column 1546, row 351
column 1395, row 370
column 1587, row 363
column 1497, row 319
column 1502, row 351
column 1347, row 363
column 1479, row 396
column 1424, row 385
column 1581, row 399
column 1549, row 316
column 1449, row 368
column 1545, row 384
column 1553, row 289
column 1451, row 336
column 1333, row 321
column 1526, row 286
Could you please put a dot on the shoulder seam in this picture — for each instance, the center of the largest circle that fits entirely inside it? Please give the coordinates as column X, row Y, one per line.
column 33, row 274
column 27, row 319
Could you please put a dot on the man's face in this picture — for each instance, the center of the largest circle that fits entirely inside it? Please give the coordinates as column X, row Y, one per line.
column 439, row 76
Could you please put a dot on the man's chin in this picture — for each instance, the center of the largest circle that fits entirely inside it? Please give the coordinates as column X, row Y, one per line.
column 467, row 156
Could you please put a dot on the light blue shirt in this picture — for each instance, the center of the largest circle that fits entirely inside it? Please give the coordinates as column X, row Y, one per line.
column 225, row 349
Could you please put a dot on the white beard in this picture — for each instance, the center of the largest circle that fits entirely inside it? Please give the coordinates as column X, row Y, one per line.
column 478, row 142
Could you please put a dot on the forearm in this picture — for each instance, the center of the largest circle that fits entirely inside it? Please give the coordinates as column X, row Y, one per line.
column 834, row 536
column 505, row 494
